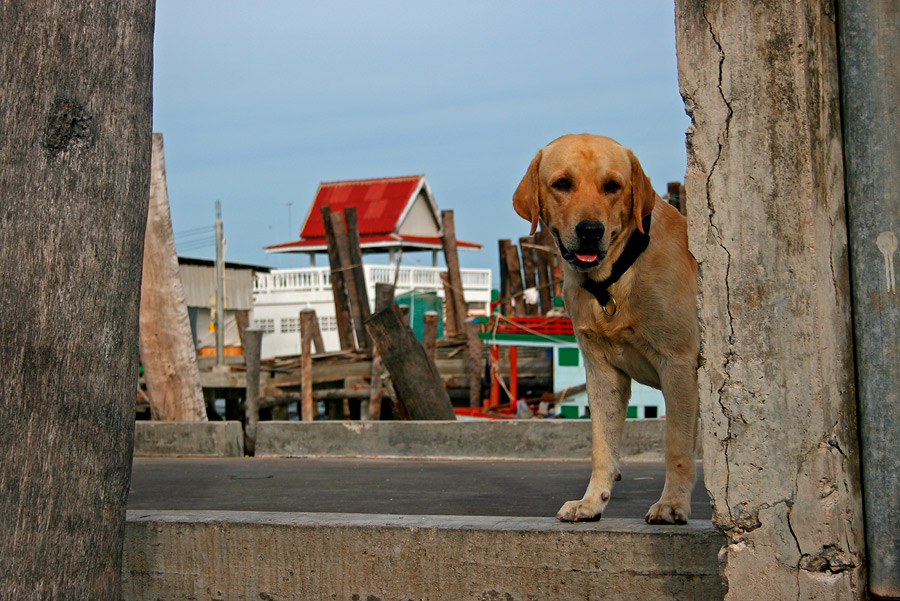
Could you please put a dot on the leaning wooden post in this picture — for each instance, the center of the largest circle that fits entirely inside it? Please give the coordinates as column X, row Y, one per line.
column 252, row 348
column 384, row 297
column 167, row 346
column 415, row 377
column 342, row 243
column 449, row 307
column 307, row 404
column 448, row 238
column 341, row 303
column 357, row 273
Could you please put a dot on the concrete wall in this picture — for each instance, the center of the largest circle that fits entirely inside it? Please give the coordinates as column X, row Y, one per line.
column 351, row 557
column 547, row 439
column 189, row 439
column 767, row 219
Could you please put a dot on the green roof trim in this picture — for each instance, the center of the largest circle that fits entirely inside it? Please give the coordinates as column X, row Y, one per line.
column 513, row 337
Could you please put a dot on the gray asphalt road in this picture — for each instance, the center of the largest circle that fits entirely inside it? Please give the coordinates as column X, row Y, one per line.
column 392, row 486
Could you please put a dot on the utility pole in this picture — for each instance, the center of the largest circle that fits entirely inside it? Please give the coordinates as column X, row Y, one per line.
column 220, row 288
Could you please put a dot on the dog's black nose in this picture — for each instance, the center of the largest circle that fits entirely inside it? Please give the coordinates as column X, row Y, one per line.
column 589, row 231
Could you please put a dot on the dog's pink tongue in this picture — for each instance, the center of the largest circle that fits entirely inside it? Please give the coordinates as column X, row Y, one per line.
column 586, row 258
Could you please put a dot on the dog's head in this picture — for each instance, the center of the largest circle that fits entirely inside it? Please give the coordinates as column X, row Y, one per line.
column 588, row 191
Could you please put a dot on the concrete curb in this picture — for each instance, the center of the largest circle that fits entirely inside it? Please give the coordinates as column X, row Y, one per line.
column 188, row 439
column 507, row 439
column 247, row 555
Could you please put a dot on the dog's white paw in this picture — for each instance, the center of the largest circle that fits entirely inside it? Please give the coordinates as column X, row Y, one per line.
column 668, row 513
column 582, row 510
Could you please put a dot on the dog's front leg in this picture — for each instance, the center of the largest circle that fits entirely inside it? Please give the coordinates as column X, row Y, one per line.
column 608, row 392
column 679, row 387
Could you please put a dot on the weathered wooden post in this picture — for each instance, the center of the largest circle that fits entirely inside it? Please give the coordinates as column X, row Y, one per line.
column 252, row 349
column 168, row 354
column 449, row 307
column 338, row 288
column 308, row 323
column 415, row 377
column 342, row 244
column 384, row 297
column 454, row 279
column 357, row 273
column 429, row 334
column 75, row 109
column 474, row 362
column 506, row 307
column 514, row 278
column 529, row 271
column 767, row 225
column 545, row 277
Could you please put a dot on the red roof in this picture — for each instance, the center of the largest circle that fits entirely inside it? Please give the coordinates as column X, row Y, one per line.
column 379, row 203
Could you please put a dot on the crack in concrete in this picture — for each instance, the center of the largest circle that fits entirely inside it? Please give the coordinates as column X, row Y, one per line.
column 730, row 355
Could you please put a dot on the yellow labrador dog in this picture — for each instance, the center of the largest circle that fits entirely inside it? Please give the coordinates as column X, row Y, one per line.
column 630, row 287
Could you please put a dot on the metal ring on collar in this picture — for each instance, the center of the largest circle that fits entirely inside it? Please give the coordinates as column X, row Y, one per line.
column 614, row 306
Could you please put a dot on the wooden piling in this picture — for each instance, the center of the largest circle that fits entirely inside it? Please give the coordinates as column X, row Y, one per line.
column 415, row 377
column 341, row 302
column 308, row 323
column 358, row 275
column 252, row 348
column 529, row 271
column 448, row 239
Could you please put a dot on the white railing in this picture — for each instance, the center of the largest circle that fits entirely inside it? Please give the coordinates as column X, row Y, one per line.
column 316, row 279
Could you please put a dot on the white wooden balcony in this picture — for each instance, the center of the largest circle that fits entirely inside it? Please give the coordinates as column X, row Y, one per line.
column 279, row 296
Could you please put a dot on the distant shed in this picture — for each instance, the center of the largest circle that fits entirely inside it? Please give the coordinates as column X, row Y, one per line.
column 199, row 279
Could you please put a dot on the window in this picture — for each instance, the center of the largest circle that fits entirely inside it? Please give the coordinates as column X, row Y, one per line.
column 267, row 325
column 290, row 324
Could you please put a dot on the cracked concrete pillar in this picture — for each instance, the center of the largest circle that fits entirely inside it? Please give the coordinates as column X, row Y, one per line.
column 767, row 225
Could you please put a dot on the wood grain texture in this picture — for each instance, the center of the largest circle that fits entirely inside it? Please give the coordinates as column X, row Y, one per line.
column 75, row 109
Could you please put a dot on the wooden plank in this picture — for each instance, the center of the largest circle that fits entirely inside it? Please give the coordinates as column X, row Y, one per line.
column 341, row 302
column 252, row 347
column 358, row 274
column 307, row 405
column 415, row 377
column 529, row 271
column 448, row 239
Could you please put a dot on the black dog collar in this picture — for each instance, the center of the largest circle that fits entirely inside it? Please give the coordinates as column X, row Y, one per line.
column 637, row 243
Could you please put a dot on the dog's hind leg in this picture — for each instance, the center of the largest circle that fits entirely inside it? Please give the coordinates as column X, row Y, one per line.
column 608, row 392
column 679, row 387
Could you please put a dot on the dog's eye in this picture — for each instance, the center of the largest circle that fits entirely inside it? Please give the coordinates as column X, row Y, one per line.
column 562, row 184
column 612, row 186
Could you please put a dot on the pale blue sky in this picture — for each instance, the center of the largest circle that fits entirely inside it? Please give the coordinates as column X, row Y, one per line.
column 260, row 101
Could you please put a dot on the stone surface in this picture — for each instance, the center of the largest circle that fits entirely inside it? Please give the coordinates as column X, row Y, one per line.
column 243, row 555
column 767, row 225
column 188, row 439
column 522, row 439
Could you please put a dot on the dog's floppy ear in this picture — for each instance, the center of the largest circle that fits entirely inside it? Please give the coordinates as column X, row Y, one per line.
column 643, row 195
column 527, row 198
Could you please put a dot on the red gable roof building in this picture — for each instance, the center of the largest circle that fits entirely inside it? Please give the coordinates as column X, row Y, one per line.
column 394, row 213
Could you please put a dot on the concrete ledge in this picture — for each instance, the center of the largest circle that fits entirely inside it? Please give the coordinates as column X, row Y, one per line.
column 511, row 439
column 245, row 555
column 188, row 439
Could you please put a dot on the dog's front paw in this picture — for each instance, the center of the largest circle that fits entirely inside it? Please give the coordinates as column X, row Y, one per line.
column 580, row 511
column 668, row 513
